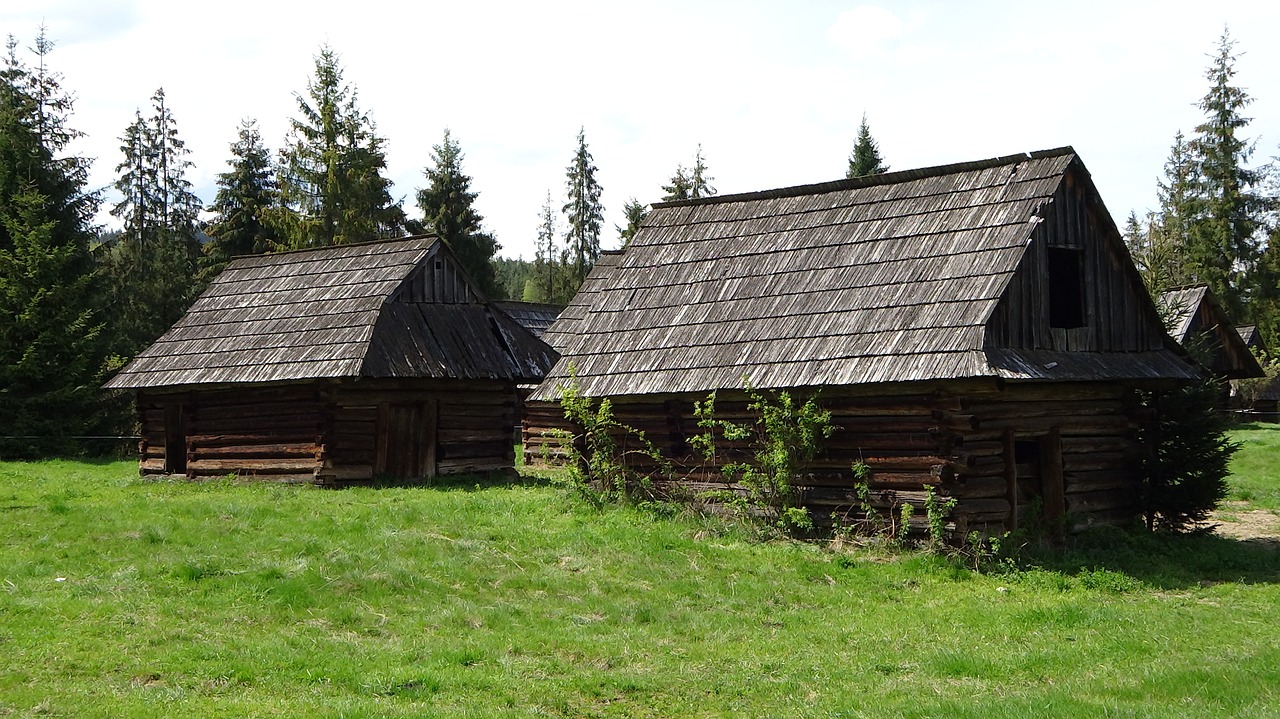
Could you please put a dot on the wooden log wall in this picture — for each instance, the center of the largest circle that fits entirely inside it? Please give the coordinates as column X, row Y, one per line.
column 472, row 423
column 268, row 433
column 990, row 448
column 334, row 433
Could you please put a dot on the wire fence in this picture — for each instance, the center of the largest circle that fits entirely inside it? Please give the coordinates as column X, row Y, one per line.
column 19, row 447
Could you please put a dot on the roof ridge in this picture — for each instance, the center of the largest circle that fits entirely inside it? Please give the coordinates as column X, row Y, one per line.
column 886, row 178
column 369, row 243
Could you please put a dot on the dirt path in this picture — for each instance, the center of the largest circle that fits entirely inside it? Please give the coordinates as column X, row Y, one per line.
column 1238, row 523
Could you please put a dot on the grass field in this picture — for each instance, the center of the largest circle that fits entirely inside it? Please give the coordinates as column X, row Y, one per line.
column 122, row 598
column 1256, row 467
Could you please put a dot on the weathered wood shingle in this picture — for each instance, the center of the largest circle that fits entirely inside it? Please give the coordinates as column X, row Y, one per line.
column 881, row 279
column 385, row 309
column 1196, row 317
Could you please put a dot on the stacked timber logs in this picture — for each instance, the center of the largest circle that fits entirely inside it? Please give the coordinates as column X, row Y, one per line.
column 1066, row 454
column 151, row 441
column 274, row 434
column 334, row 434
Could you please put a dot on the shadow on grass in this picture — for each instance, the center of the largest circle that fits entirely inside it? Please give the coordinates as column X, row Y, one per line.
column 1165, row 561
column 475, row 482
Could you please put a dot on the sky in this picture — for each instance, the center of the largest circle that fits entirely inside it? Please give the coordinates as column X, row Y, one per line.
column 772, row 91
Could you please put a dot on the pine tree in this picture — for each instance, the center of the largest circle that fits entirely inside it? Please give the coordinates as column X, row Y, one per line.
column 331, row 181
column 33, row 119
column 246, row 195
column 689, row 183
column 680, row 187
column 865, row 158
column 50, row 353
column 699, row 180
column 635, row 214
column 547, row 275
column 1171, row 230
column 152, row 264
column 1223, row 244
column 52, row 358
column 448, row 209
column 583, row 211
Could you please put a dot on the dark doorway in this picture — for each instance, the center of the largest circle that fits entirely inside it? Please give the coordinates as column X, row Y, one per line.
column 175, row 438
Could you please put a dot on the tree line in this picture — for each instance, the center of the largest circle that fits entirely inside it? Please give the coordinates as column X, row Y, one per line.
column 1217, row 221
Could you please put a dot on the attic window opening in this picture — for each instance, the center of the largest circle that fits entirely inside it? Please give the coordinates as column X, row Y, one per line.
column 1066, row 287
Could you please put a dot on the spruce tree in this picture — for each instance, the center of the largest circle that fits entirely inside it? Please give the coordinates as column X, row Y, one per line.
column 865, row 158
column 34, row 112
column 583, row 211
column 246, row 195
column 1171, row 230
column 689, row 183
column 52, row 358
column 635, row 214
column 50, row 354
column 680, row 186
column 547, row 275
column 699, row 180
column 1223, row 244
column 448, row 210
column 152, row 264
column 331, row 179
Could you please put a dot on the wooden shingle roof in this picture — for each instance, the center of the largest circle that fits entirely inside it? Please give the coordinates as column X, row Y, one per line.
column 533, row 316
column 885, row 278
column 387, row 309
column 1195, row 311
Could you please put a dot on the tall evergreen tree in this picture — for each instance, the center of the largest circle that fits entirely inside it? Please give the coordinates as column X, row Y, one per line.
column 690, row 183
column 52, row 359
column 331, row 179
column 152, row 264
column 680, row 186
column 448, row 209
column 635, row 214
column 583, row 211
column 246, row 195
column 547, row 278
column 1177, row 193
column 1223, row 242
column 865, row 158
column 34, row 112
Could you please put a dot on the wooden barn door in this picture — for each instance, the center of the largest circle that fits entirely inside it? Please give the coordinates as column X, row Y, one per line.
column 407, row 440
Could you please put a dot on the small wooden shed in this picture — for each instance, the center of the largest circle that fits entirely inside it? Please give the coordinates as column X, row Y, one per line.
column 1198, row 322
column 335, row 365
column 976, row 328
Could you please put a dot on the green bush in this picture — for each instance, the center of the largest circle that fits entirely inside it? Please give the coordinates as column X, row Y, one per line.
column 1186, row 473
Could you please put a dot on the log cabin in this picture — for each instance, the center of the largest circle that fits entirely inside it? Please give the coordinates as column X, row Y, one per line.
column 339, row 365
column 977, row 328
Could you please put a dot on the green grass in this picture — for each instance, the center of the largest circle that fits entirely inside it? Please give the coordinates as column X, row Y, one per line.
column 141, row 599
column 1255, row 468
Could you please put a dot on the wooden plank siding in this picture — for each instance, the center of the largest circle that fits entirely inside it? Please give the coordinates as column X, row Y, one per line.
column 1117, row 314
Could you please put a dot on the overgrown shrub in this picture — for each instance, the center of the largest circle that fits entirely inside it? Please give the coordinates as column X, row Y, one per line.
column 597, row 469
column 785, row 437
column 1186, row 473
